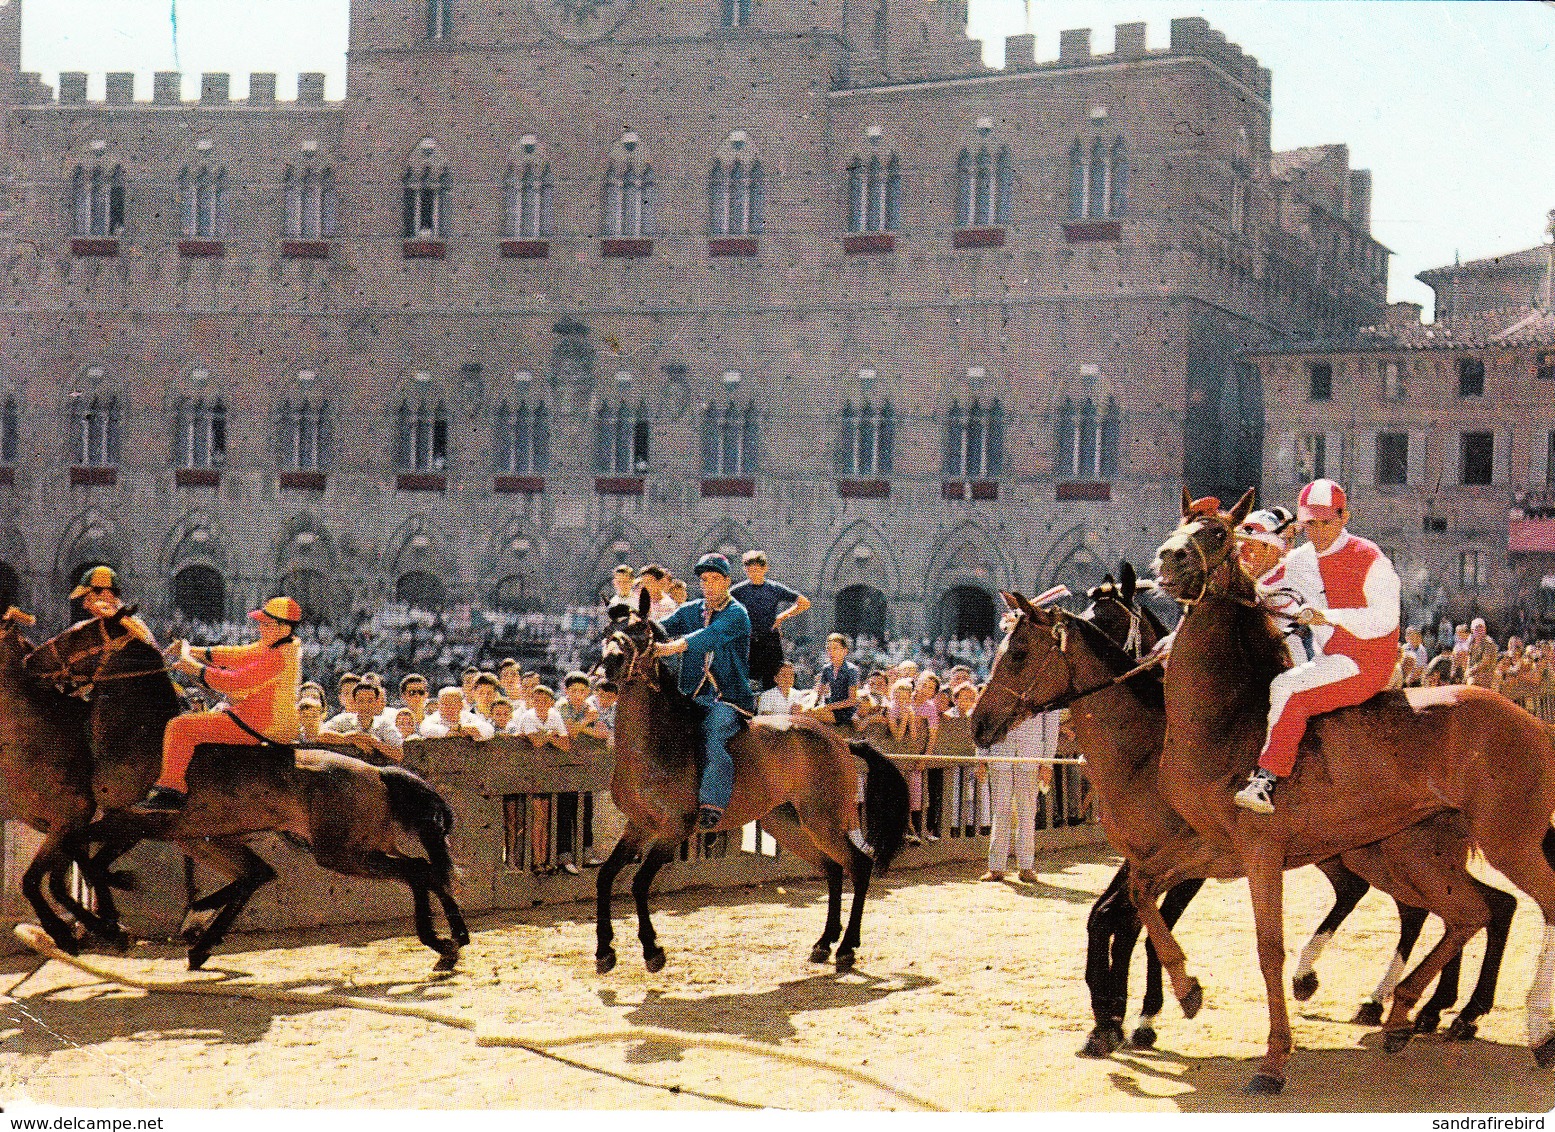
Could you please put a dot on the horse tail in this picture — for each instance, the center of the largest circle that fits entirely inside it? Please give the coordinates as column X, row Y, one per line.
column 423, row 812
column 885, row 803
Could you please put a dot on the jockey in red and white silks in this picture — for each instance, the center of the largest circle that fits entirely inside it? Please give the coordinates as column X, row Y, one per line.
column 1349, row 596
column 1262, row 542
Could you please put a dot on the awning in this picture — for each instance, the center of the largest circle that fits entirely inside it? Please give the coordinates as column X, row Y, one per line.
column 1531, row 536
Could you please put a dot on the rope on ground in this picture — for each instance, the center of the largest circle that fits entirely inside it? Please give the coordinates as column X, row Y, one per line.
column 39, row 941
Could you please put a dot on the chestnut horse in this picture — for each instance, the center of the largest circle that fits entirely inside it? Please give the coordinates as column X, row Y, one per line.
column 1114, row 925
column 1364, row 774
column 1052, row 657
column 795, row 774
column 344, row 811
column 47, row 770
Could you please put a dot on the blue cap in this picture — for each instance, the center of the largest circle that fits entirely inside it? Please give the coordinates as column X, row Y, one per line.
column 715, row 562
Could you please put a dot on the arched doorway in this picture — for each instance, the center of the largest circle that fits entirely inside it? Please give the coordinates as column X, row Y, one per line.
column 966, row 613
column 309, row 589
column 200, row 594
column 10, row 585
column 421, row 590
column 861, row 612
column 514, row 595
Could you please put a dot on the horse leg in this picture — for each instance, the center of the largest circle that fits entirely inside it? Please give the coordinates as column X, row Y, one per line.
column 1534, row 873
column 1411, row 921
column 1266, row 883
column 659, row 854
column 1348, row 890
column 1110, row 919
column 604, row 931
column 1177, row 900
column 49, row 857
column 1503, row 906
column 104, row 928
column 250, row 873
column 1189, row 992
column 783, row 824
column 1464, row 911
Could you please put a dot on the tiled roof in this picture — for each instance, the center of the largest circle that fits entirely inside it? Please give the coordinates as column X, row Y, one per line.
column 1516, row 326
column 1535, row 258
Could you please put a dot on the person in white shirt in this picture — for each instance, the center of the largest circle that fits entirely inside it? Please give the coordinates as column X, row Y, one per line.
column 656, row 580
column 368, row 728
column 782, row 698
column 451, row 719
column 547, row 729
column 346, row 693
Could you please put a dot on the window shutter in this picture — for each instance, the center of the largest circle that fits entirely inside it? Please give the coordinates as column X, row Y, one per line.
column 1364, row 471
column 1415, row 476
column 1501, row 469
column 1333, row 456
column 1282, row 457
column 1539, row 460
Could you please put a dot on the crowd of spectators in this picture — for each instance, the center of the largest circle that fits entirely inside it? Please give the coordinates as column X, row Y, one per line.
column 1533, row 505
column 1468, row 654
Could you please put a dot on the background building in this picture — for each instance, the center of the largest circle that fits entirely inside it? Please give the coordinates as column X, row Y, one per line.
column 1445, row 433
column 564, row 283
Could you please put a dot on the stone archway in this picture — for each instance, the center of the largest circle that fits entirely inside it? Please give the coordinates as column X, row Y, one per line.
column 861, row 610
column 966, row 612
column 200, row 593
column 421, row 590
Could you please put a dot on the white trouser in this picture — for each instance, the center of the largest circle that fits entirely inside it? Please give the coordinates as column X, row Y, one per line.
column 1014, row 790
column 1315, row 673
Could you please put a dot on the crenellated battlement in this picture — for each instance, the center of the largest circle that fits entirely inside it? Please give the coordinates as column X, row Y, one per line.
column 167, row 89
column 1190, row 36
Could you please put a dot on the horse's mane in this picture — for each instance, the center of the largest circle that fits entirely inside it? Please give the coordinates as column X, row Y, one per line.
column 138, row 657
column 1147, row 685
column 1256, row 632
column 1157, row 626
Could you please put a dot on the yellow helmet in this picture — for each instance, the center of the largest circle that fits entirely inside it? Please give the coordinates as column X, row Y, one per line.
column 279, row 609
column 100, row 578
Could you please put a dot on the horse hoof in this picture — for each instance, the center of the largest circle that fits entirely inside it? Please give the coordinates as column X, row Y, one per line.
column 1544, row 1052
column 1101, row 1042
column 654, row 960
column 1395, row 1040
column 197, row 959
column 66, row 942
column 1462, row 1030
column 1370, row 1014
column 1427, row 1023
column 1193, row 1001
column 605, row 962
column 845, row 960
column 449, row 960
column 1143, row 1037
column 820, row 953
column 1304, row 987
column 1264, row 1085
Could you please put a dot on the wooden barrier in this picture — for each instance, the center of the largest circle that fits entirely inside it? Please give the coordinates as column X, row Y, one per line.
column 517, row 809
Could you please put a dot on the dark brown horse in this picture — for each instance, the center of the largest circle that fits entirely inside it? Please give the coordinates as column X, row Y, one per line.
column 1114, row 926
column 1364, row 774
column 47, row 769
column 796, row 775
column 1053, row 657
column 346, row 812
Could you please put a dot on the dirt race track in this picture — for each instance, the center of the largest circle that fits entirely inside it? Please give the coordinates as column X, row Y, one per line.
column 967, row 994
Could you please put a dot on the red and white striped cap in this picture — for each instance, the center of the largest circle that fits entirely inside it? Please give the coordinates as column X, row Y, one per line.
column 1262, row 526
column 1051, row 595
column 1320, row 499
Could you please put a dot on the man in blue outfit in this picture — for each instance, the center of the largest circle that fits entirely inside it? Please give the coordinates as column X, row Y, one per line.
column 715, row 634
column 769, row 605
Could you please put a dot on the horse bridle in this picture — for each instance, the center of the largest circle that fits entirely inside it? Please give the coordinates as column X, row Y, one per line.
column 1206, row 588
column 636, row 654
column 59, row 672
column 1133, row 642
column 1060, row 634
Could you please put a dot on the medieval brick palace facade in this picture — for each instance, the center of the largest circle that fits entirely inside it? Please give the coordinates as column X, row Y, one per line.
column 564, row 282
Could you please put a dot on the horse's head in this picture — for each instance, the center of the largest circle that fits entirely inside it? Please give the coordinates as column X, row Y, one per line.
column 1030, row 670
column 627, row 653
column 73, row 659
column 14, row 645
column 1203, row 544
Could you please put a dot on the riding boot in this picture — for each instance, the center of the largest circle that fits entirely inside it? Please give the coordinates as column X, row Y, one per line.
column 161, row 800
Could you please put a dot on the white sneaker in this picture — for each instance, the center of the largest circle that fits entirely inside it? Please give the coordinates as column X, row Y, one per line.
column 568, row 866
column 1256, row 795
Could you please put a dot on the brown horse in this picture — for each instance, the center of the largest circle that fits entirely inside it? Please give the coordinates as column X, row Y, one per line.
column 794, row 774
column 47, row 769
column 1052, row 657
column 1364, row 773
column 1114, row 926
column 346, row 812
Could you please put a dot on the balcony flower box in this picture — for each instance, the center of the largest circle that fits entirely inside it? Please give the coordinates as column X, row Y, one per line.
column 526, row 249
column 95, row 246
column 201, row 249
column 197, row 477
column 869, row 243
column 619, row 248
column 425, row 249
column 421, row 481
column 864, row 489
column 1092, row 231
column 518, row 485
column 7, row 477
column 93, row 477
column 304, row 249
column 736, row 488
column 979, row 237
column 1085, row 492
column 732, row 245
column 618, row 485
column 302, row 481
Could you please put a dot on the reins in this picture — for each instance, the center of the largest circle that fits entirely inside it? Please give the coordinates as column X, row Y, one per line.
column 1207, row 588
column 1071, row 694
column 59, row 673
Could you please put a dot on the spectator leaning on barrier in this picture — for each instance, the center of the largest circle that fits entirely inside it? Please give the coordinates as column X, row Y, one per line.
column 583, row 727
column 502, row 715
column 837, row 683
column 452, row 719
column 345, row 690
column 782, row 698
column 310, row 717
column 769, row 605
column 413, row 694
